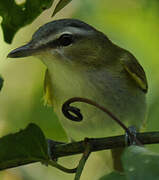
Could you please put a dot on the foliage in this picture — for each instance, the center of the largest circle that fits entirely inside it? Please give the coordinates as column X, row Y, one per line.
column 16, row 16
column 61, row 4
column 139, row 163
column 24, row 147
column 113, row 176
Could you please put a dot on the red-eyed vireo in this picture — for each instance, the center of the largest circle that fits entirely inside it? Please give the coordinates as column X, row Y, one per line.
column 82, row 62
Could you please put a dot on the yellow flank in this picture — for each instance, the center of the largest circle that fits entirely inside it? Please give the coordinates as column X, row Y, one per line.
column 47, row 90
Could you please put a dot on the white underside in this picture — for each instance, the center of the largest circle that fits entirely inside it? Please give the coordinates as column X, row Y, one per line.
column 102, row 87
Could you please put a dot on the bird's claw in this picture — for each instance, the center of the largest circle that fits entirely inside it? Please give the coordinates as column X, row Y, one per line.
column 131, row 140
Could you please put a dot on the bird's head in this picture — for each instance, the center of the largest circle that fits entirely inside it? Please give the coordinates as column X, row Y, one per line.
column 68, row 41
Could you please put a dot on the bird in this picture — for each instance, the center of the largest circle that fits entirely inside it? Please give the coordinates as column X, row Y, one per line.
column 82, row 61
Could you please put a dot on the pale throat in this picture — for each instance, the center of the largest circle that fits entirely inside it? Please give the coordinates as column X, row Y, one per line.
column 67, row 81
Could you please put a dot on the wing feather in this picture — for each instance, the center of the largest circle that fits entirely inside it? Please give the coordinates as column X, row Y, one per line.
column 135, row 70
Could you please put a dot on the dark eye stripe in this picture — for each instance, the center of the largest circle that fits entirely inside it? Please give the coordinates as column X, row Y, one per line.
column 52, row 44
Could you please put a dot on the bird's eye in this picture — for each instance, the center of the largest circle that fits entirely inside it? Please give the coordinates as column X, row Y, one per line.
column 65, row 39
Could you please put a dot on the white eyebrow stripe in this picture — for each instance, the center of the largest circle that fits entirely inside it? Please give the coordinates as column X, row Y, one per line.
column 76, row 30
column 73, row 30
column 60, row 34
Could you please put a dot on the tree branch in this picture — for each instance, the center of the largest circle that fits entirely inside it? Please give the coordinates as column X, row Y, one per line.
column 58, row 150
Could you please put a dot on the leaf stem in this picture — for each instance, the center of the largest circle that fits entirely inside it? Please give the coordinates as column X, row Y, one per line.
column 83, row 160
column 62, row 168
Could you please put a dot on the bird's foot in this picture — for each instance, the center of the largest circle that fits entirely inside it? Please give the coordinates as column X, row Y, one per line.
column 131, row 140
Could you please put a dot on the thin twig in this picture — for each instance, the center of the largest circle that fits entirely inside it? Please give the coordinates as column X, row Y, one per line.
column 66, row 109
column 62, row 168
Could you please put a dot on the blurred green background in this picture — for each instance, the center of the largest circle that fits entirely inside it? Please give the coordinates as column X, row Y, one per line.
column 132, row 24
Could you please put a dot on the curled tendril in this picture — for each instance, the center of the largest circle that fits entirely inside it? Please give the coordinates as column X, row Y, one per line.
column 68, row 111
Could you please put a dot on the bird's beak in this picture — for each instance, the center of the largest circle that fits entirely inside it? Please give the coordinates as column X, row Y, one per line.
column 23, row 51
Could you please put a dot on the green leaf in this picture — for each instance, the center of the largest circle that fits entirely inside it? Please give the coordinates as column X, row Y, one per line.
column 27, row 146
column 113, row 176
column 60, row 5
column 16, row 16
column 140, row 163
column 1, row 82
